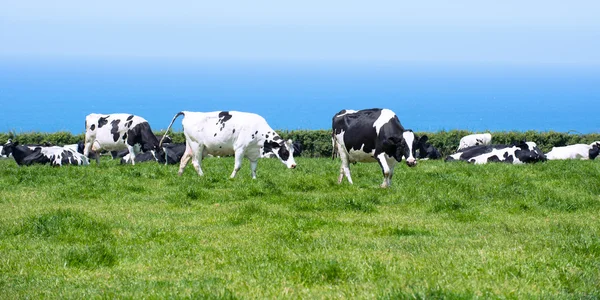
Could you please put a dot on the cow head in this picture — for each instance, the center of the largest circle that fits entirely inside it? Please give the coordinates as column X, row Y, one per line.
column 405, row 146
column 282, row 150
column 529, row 152
column 594, row 150
column 8, row 147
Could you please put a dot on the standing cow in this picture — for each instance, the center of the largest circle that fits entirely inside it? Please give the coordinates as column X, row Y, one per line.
column 474, row 140
column 577, row 151
column 372, row 135
column 116, row 132
column 222, row 133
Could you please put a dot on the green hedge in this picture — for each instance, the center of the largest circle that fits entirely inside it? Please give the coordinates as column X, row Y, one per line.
column 317, row 143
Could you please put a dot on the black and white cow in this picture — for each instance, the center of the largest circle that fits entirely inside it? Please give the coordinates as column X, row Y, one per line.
column 474, row 140
column 116, row 132
column 523, row 152
column 124, row 153
column 26, row 155
column 577, row 151
column 426, row 150
column 372, row 135
column 222, row 133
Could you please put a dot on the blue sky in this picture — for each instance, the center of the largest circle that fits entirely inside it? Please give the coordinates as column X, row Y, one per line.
column 535, row 32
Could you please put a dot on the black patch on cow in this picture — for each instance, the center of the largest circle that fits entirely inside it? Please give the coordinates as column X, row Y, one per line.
column 256, row 132
column 266, row 136
column 115, row 129
column 269, row 146
column 233, row 130
column 142, row 134
column 359, row 129
column 224, row 116
column 128, row 124
column 276, row 138
column 284, row 154
column 102, row 121
column 125, row 136
column 129, row 118
column 215, row 134
column 508, row 158
column 93, row 127
column 594, row 151
column 253, row 136
column 493, row 158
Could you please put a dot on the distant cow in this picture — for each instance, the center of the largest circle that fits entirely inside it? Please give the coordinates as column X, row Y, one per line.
column 79, row 147
column 123, row 153
column 577, row 151
column 144, row 157
column 426, row 150
column 173, row 153
column 53, row 155
column 524, row 152
column 222, row 133
column 474, row 140
column 372, row 135
column 116, row 132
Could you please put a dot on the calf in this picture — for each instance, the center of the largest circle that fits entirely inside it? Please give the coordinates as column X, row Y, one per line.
column 116, row 132
column 474, row 140
column 55, row 156
column 236, row 133
column 372, row 135
column 577, row 151
column 524, row 152
column 426, row 150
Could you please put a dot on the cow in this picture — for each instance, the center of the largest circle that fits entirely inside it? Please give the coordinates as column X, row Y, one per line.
column 79, row 147
column 426, row 150
column 577, row 151
column 474, row 140
column 144, row 157
column 114, row 132
column 519, row 153
column 123, row 153
column 221, row 133
column 372, row 135
column 26, row 155
column 173, row 152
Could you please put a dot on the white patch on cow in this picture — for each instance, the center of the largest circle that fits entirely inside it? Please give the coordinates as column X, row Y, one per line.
column 409, row 137
column 474, row 140
column 385, row 117
column 576, row 151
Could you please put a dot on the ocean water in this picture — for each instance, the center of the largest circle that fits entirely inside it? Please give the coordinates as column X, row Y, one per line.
column 56, row 95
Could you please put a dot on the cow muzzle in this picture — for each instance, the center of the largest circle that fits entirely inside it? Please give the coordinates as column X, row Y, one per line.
column 411, row 162
column 292, row 166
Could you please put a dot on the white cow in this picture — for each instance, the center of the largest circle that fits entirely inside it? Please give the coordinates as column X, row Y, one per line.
column 474, row 140
column 577, row 151
column 222, row 133
column 116, row 132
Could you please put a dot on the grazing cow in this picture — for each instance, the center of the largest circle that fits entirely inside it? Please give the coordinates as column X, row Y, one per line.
column 372, row 135
column 56, row 156
column 426, row 150
column 223, row 133
column 523, row 152
column 577, row 151
column 116, row 132
column 474, row 140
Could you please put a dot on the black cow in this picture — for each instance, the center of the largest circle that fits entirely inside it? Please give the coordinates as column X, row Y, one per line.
column 426, row 150
column 123, row 153
column 372, row 135
column 518, row 153
column 26, row 155
column 116, row 132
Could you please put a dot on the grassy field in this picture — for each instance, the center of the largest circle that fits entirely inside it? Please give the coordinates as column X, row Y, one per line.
column 443, row 230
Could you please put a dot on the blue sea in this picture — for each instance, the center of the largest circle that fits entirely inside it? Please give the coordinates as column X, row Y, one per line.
column 51, row 95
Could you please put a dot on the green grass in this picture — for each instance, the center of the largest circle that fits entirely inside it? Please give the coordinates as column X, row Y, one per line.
column 443, row 230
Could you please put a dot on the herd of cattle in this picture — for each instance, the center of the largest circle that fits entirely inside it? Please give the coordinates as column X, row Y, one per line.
column 370, row 135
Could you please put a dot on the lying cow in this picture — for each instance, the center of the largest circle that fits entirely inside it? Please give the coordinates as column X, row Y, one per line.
column 426, row 150
column 26, row 155
column 124, row 153
column 116, row 132
column 524, row 152
column 372, row 135
column 172, row 155
column 236, row 133
column 474, row 140
column 2, row 153
column 577, row 151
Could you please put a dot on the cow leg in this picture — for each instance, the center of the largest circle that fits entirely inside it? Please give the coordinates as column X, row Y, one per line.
column 253, row 164
column 197, row 158
column 344, row 168
column 185, row 159
column 132, row 153
column 239, row 156
column 89, row 142
column 385, row 169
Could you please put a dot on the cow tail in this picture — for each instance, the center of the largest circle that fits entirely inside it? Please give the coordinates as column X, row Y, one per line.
column 168, row 128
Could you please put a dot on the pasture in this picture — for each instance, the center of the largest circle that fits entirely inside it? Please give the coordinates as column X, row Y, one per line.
column 443, row 230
